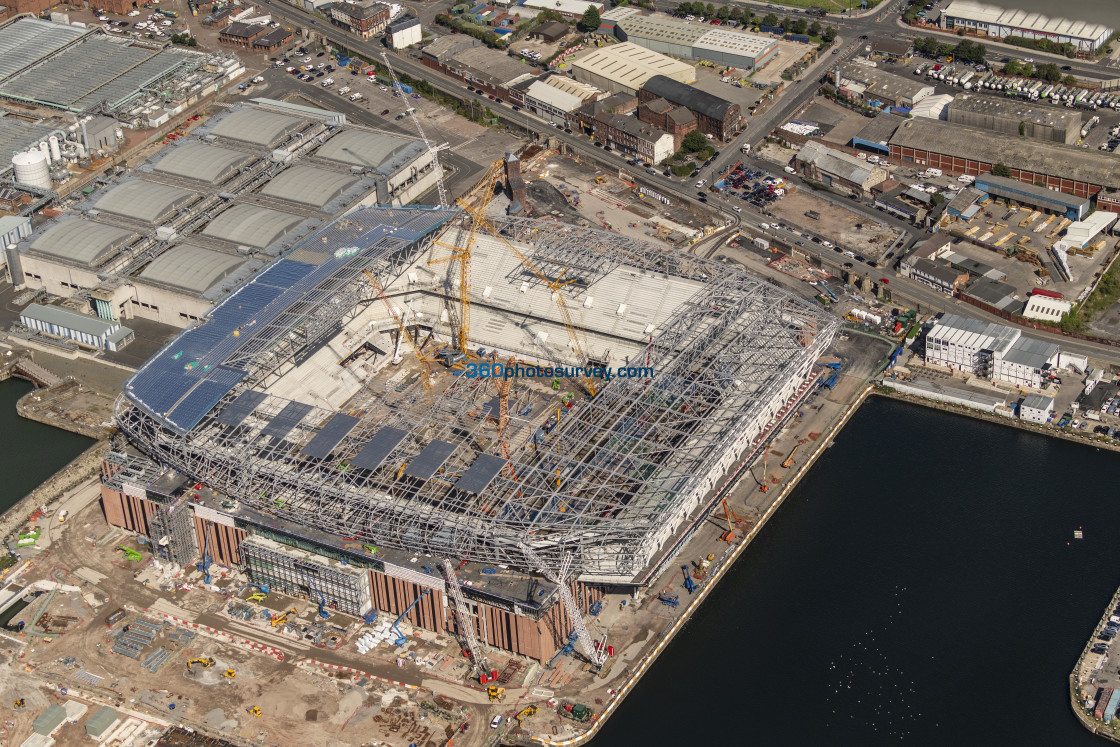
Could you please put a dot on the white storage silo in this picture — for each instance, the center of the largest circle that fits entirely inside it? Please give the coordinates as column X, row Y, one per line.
column 56, row 153
column 46, row 149
column 31, row 169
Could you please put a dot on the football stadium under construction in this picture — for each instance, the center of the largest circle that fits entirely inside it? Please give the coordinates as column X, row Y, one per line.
column 372, row 422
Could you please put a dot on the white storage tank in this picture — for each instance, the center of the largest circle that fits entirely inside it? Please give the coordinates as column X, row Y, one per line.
column 32, row 169
column 46, row 149
column 56, row 153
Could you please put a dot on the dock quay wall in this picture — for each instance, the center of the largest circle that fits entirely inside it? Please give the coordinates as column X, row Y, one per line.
column 82, row 468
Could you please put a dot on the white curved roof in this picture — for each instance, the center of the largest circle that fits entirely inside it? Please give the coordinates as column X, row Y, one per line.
column 191, row 268
column 251, row 225
column 372, row 150
column 83, row 241
column 207, row 163
column 256, row 126
column 308, row 186
column 145, row 201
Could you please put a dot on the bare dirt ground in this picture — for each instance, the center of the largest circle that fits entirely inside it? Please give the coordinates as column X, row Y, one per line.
column 836, row 224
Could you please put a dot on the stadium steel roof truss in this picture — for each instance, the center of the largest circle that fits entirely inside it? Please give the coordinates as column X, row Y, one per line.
column 600, row 484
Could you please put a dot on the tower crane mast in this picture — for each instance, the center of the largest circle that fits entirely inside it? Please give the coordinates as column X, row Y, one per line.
column 416, row 120
column 466, row 625
column 402, row 329
column 559, row 577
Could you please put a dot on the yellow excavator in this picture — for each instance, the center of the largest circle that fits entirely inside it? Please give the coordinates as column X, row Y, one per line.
column 528, row 712
column 21, row 703
column 229, row 674
column 206, row 662
column 256, row 711
column 495, row 693
column 281, row 619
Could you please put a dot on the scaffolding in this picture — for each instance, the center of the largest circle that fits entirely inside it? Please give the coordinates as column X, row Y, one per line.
column 283, row 571
column 608, row 480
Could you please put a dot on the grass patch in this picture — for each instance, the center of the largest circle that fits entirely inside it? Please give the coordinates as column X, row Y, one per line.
column 1103, row 296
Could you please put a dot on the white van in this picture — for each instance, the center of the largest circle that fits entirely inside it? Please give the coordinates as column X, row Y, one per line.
column 746, row 148
column 790, row 170
column 873, row 159
column 700, row 184
column 934, row 172
column 764, row 226
column 327, row 83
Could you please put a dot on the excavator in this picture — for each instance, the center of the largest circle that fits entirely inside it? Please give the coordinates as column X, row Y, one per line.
column 495, row 693
column 229, row 674
column 21, row 703
column 129, row 553
column 281, row 619
column 256, row 711
column 527, row 712
column 206, row 662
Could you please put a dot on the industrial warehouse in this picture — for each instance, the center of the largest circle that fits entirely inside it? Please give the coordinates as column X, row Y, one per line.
column 996, row 22
column 320, row 427
column 167, row 240
column 71, row 91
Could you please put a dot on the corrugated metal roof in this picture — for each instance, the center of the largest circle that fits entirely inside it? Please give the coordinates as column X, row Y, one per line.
column 144, row 201
column 632, row 65
column 308, row 185
column 382, row 153
column 100, row 721
column 81, row 241
column 257, row 126
column 31, row 39
column 191, row 268
column 251, row 225
column 207, row 163
column 1027, row 351
column 689, row 97
column 49, row 720
column 90, row 325
column 19, row 134
column 1038, row 402
column 1017, row 18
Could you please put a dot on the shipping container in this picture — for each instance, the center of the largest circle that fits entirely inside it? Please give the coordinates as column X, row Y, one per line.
column 1113, row 704
column 1102, row 702
column 761, row 243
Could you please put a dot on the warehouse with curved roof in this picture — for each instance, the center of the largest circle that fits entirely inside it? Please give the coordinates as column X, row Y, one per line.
column 191, row 268
column 144, row 201
column 307, row 185
column 257, row 126
column 206, row 163
column 251, row 225
column 381, row 153
column 82, row 241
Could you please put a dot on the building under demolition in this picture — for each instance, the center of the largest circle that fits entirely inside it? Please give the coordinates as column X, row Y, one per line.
column 291, row 433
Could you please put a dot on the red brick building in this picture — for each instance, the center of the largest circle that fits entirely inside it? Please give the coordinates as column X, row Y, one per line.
column 241, row 34
column 676, row 120
column 714, row 116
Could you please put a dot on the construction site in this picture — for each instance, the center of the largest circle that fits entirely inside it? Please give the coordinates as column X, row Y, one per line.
column 432, row 467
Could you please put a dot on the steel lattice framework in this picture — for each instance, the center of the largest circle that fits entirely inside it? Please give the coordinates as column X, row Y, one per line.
column 607, row 485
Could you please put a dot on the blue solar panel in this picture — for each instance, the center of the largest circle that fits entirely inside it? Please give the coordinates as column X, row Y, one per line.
column 241, row 408
column 379, row 447
column 287, row 419
column 481, row 473
column 430, row 459
column 330, row 436
column 199, row 402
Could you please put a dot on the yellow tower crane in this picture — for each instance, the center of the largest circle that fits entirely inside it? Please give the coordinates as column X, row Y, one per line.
column 478, row 198
column 557, row 288
column 402, row 329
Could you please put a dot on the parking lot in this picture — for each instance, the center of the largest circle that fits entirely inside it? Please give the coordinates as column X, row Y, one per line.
column 835, row 224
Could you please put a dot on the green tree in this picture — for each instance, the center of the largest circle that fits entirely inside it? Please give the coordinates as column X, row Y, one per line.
column 769, row 20
column 814, row 29
column 709, row 11
column 694, row 141
column 1001, row 169
column 1069, row 80
column 829, row 35
column 800, row 26
column 1027, row 71
column 1049, row 72
column 723, row 13
column 590, row 20
column 736, row 14
column 927, row 45
column 1012, row 67
column 945, row 50
column 936, row 198
column 969, row 51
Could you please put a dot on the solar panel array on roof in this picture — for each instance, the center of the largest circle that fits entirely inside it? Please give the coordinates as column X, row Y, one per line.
column 330, row 436
column 241, row 408
column 379, row 447
column 200, row 400
column 481, row 473
column 430, row 459
column 287, row 419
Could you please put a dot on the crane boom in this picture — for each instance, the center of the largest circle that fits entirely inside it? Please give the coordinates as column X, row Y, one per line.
column 416, row 120
column 466, row 625
column 556, row 286
column 583, row 635
column 402, row 329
